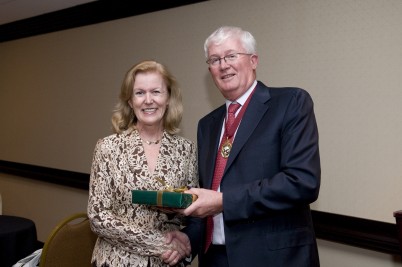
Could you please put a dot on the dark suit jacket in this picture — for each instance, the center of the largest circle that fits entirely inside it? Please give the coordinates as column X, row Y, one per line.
column 271, row 177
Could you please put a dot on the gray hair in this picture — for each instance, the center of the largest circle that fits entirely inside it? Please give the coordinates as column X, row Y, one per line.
column 223, row 33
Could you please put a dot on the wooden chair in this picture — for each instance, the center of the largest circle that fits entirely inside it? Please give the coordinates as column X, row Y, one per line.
column 70, row 243
column 398, row 218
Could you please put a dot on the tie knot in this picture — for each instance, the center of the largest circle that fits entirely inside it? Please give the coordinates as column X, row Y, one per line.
column 233, row 107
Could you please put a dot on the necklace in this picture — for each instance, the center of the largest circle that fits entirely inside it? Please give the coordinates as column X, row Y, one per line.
column 151, row 142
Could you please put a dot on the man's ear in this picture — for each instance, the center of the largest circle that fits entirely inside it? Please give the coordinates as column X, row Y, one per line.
column 254, row 61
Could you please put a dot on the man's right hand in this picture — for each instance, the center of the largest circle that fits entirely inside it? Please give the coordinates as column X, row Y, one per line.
column 208, row 203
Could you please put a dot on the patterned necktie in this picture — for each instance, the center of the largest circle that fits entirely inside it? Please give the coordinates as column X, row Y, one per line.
column 219, row 168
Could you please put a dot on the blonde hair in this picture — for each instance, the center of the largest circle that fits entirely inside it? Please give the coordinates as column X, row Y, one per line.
column 123, row 117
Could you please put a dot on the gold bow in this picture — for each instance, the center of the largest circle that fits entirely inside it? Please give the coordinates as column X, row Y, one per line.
column 171, row 189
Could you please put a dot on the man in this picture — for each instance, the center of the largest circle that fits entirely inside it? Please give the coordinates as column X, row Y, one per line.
column 268, row 162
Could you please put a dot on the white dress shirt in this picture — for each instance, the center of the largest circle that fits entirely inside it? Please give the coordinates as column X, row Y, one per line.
column 218, row 234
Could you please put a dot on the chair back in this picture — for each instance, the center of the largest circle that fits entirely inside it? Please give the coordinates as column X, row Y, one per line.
column 398, row 218
column 70, row 244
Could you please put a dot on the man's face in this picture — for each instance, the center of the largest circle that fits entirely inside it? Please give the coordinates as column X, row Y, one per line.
column 233, row 78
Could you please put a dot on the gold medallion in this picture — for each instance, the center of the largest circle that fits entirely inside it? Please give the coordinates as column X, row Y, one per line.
column 226, row 147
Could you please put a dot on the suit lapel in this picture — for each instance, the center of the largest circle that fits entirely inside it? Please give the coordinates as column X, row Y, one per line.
column 256, row 109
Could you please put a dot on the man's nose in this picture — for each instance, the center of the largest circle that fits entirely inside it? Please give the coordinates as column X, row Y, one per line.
column 223, row 64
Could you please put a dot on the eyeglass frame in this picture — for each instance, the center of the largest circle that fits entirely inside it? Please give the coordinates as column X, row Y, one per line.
column 226, row 58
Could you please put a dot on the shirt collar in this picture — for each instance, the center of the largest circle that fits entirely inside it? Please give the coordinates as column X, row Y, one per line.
column 241, row 100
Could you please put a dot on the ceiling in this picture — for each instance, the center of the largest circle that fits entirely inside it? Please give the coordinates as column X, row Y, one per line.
column 14, row 10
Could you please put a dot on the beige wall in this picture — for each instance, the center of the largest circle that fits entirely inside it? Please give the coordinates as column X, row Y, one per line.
column 57, row 91
column 44, row 203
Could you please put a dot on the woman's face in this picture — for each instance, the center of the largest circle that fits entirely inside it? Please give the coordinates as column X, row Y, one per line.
column 150, row 99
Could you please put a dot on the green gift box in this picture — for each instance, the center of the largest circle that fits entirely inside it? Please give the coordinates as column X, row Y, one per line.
column 162, row 198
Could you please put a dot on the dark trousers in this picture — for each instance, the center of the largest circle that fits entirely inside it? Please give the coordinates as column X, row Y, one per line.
column 216, row 257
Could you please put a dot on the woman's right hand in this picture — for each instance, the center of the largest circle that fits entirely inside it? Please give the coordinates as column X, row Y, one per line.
column 180, row 248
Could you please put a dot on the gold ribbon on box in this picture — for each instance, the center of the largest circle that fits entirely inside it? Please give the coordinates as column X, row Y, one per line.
column 169, row 189
column 159, row 196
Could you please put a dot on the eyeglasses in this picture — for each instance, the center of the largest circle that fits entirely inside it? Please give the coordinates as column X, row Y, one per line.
column 216, row 61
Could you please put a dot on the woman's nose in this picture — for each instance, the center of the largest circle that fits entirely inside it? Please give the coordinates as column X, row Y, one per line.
column 148, row 98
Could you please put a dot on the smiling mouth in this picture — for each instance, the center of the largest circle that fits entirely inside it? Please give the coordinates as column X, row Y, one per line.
column 227, row 76
column 149, row 110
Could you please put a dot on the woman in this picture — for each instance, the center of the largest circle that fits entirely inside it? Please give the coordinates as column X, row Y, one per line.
column 146, row 154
